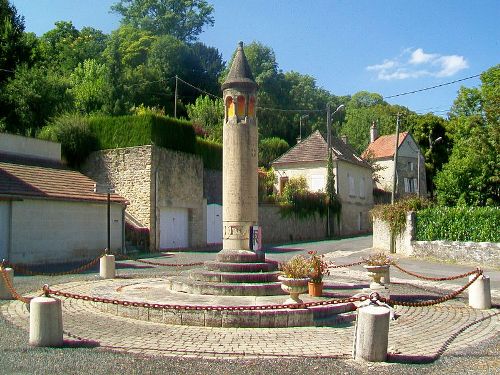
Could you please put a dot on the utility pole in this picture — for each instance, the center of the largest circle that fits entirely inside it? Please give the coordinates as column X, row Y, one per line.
column 394, row 175
column 329, row 144
column 175, row 98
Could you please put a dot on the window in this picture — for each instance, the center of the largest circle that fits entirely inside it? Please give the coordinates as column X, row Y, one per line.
column 283, row 182
column 230, row 107
column 410, row 185
column 241, row 106
column 410, row 166
column 317, row 182
column 362, row 192
column 352, row 188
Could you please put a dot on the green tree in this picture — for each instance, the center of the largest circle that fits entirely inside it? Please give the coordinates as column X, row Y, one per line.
column 270, row 149
column 183, row 19
column 90, row 86
column 209, row 114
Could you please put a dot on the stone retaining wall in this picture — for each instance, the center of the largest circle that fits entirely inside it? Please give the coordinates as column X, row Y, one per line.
column 482, row 253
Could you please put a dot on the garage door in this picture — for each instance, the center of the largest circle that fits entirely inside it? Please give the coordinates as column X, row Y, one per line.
column 4, row 229
column 174, row 228
column 214, row 223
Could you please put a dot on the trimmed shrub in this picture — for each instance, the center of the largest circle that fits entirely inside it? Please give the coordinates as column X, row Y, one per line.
column 270, row 149
column 210, row 152
column 476, row 224
column 128, row 131
column 76, row 138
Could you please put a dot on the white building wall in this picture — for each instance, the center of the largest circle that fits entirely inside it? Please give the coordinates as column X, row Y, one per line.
column 46, row 231
column 18, row 145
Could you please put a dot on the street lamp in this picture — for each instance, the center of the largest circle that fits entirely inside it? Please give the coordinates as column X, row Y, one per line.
column 300, row 129
column 108, row 190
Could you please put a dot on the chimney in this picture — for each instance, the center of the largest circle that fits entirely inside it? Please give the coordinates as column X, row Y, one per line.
column 344, row 138
column 373, row 132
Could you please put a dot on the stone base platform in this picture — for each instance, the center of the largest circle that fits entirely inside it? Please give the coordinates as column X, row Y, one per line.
column 153, row 291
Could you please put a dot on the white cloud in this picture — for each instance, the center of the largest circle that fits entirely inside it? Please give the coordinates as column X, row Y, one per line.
column 429, row 64
column 420, row 57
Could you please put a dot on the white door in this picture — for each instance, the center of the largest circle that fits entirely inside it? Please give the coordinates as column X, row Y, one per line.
column 214, row 223
column 4, row 229
column 173, row 228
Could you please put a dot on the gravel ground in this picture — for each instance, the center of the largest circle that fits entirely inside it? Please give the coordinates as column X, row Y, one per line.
column 16, row 357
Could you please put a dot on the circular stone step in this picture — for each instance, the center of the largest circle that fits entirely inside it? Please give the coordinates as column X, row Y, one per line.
column 233, row 277
column 186, row 285
column 240, row 267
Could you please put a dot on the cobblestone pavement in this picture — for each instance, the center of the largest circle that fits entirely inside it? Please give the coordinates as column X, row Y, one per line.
column 419, row 334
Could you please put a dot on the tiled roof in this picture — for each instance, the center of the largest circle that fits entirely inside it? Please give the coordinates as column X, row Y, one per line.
column 315, row 148
column 383, row 147
column 18, row 180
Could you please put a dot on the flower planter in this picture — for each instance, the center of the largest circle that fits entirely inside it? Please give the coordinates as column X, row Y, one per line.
column 376, row 273
column 294, row 287
column 315, row 289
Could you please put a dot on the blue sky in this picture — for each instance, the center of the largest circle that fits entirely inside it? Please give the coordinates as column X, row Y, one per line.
column 388, row 47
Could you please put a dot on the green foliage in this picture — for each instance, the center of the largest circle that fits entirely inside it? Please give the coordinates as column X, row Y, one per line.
column 477, row 224
column 318, row 267
column 183, row 19
column 298, row 201
column 270, row 149
column 395, row 214
column 128, row 131
column 210, row 152
column 266, row 185
column 76, row 138
column 90, row 86
column 209, row 114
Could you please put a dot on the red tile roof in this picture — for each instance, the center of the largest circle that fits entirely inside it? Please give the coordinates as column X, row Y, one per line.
column 315, row 148
column 35, row 180
column 383, row 147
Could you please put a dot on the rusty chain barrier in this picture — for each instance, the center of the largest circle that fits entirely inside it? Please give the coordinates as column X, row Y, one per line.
column 124, row 257
column 346, row 265
column 12, row 291
column 436, row 278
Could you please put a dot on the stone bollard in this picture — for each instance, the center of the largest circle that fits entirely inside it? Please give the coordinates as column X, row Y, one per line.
column 107, row 267
column 372, row 334
column 5, row 292
column 386, row 277
column 480, row 292
column 46, row 326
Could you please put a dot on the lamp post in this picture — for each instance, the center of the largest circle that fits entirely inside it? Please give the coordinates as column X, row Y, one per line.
column 300, row 128
column 329, row 143
column 108, row 190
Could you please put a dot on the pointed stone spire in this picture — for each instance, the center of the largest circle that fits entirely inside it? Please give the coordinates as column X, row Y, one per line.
column 240, row 74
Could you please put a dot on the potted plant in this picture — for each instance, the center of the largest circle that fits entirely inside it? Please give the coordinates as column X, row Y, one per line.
column 377, row 265
column 294, row 277
column 318, row 268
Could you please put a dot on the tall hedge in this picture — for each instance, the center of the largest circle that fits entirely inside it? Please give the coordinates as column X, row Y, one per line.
column 128, row 131
column 476, row 224
column 210, row 152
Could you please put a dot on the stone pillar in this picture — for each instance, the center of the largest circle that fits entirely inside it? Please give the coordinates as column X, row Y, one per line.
column 46, row 326
column 372, row 334
column 480, row 292
column 107, row 267
column 5, row 292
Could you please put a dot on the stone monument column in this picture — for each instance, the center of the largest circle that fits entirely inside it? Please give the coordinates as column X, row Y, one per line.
column 239, row 165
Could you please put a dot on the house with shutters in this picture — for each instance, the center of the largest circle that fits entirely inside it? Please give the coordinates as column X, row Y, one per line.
column 48, row 212
column 410, row 166
column 353, row 176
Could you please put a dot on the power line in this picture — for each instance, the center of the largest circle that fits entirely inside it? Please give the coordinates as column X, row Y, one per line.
column 432, row 87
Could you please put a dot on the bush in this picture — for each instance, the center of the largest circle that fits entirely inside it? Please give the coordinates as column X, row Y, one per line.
column 395, row 214
column 76, row 138
column 477, row 224
column 270, row 149
column 210, row 152
column 296, row 200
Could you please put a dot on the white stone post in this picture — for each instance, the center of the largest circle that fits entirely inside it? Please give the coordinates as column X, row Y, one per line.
column 480, row 292
column 107, row 267
column 46, row 326
column 386, row 277
column 4, row 289
column 372, row 334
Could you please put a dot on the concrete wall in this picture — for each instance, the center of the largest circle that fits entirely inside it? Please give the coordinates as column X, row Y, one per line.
column 46, row 231
column 212, row 186
column 178, row 182
column 482, row 253
column 25, row 146
column 276, row 229
column 152, row 178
